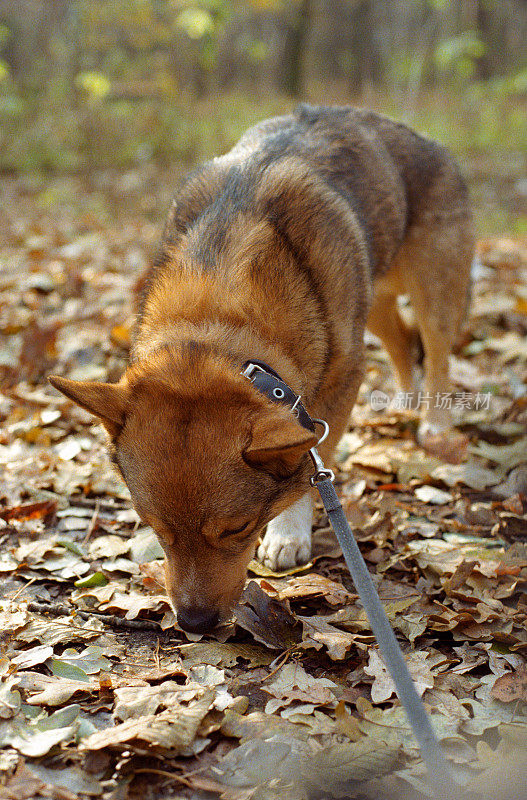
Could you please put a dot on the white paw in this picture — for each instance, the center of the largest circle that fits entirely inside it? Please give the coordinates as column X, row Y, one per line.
column 287, row 541
column 283, row 549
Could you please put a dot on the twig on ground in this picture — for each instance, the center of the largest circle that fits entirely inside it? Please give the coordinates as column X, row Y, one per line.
column 280, row 661
column 60, row 610
column 93, row 502
column 93, row 522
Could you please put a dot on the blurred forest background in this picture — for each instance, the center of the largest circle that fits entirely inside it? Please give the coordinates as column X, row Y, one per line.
column 129, row 85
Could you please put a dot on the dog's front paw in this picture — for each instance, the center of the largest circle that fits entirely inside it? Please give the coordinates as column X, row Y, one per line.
column 284, row 549
column 287, row 541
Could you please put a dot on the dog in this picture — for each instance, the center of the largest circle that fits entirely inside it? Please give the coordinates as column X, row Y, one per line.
column 280, row 252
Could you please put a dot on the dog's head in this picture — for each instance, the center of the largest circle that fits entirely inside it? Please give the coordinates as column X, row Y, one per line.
column 208, row 461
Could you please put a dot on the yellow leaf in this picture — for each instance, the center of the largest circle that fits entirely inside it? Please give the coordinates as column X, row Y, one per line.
column 120, row 336
column 521, row 305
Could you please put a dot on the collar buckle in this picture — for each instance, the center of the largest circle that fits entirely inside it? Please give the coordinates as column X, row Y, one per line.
column 270, row 384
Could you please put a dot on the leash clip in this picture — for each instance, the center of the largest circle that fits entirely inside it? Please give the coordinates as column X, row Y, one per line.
column 322, row 472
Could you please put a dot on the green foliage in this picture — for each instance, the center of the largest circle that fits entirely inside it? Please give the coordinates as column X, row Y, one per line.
column 94, row 84
column 459, row 54
column 136, row 24
column 511, row 84
column 439, row 5
column 5, row 35
column 196, row 22
column 257, row 50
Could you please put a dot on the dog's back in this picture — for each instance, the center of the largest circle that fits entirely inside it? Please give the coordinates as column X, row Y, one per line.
column 389, row 175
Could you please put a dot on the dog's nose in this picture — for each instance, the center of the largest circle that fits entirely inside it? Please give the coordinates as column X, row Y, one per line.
column 197, row 620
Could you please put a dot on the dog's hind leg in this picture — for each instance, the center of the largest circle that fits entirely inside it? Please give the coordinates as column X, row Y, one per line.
column 435, row 261
column 401, row 341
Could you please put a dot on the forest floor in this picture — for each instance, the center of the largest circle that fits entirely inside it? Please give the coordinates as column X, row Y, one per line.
column 102, row 695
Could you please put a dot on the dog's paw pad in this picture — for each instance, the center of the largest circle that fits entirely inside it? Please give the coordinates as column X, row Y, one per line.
column 283, row 551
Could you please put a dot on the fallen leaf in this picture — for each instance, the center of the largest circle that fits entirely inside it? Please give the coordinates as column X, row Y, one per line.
column 314, row 585
column 319, row 632
column 36, row 738
column 9, row 698
column 63, row 630
column 52, row 690
column 267, row 619
column 503, row 769
column 110, row 545
column 71, row 779
column 383, row 686
column 23, row 784
column 429, row 494
column 95, row 579
column 284, row 764
column 507, row 456
column 33, row 656
column 337, row 767
column 139, row 701
column 144, row 547
column 293, row 684
column 121, row 336
column 470, row 474
column 224, row 654
column 449, row 446
column 346, row 723
column 511, row 686
column 173, row 730
column 41, row 510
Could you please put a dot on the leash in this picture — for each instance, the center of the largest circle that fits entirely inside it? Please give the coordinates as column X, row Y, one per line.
column 267, row 381
column 438, row 769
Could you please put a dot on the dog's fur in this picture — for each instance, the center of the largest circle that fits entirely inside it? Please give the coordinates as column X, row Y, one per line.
column 282, row 250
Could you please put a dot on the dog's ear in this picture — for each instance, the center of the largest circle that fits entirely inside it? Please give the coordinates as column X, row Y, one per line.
column 278, row 443
column 104, row 400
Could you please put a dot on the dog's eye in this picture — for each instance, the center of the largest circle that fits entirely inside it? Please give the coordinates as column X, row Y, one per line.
column 234, row 531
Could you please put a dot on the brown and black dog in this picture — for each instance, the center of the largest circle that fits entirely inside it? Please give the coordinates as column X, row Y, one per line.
column 282, row 250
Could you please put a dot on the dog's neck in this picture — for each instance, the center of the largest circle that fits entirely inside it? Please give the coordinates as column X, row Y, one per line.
column 243, row 308
column 235, row 345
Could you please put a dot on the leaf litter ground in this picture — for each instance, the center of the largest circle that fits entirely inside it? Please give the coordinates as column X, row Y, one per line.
column 103, row 696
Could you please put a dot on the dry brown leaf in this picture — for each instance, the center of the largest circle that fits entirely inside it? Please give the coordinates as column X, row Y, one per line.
column 225, row 654
column 22, row 784
column 504, row 769
column 383, row 686
column 314, row 585
column 346, row 723
column 292, row 682
column 511, row 686
column 48, row 690
column 451, row 446
column 141, row 701
column 173, row 730
column 268, row 620
column 319, row 632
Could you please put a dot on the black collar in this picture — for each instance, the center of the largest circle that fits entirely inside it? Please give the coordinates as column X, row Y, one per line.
column 269, row 383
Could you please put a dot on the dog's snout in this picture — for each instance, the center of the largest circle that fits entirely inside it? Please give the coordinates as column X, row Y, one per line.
column 197, row 620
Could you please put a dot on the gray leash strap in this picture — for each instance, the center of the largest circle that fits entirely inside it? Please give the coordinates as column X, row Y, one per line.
column 267, row 381
column 438, row 769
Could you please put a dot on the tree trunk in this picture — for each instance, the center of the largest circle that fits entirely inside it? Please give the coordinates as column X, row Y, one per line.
column 297, row 32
